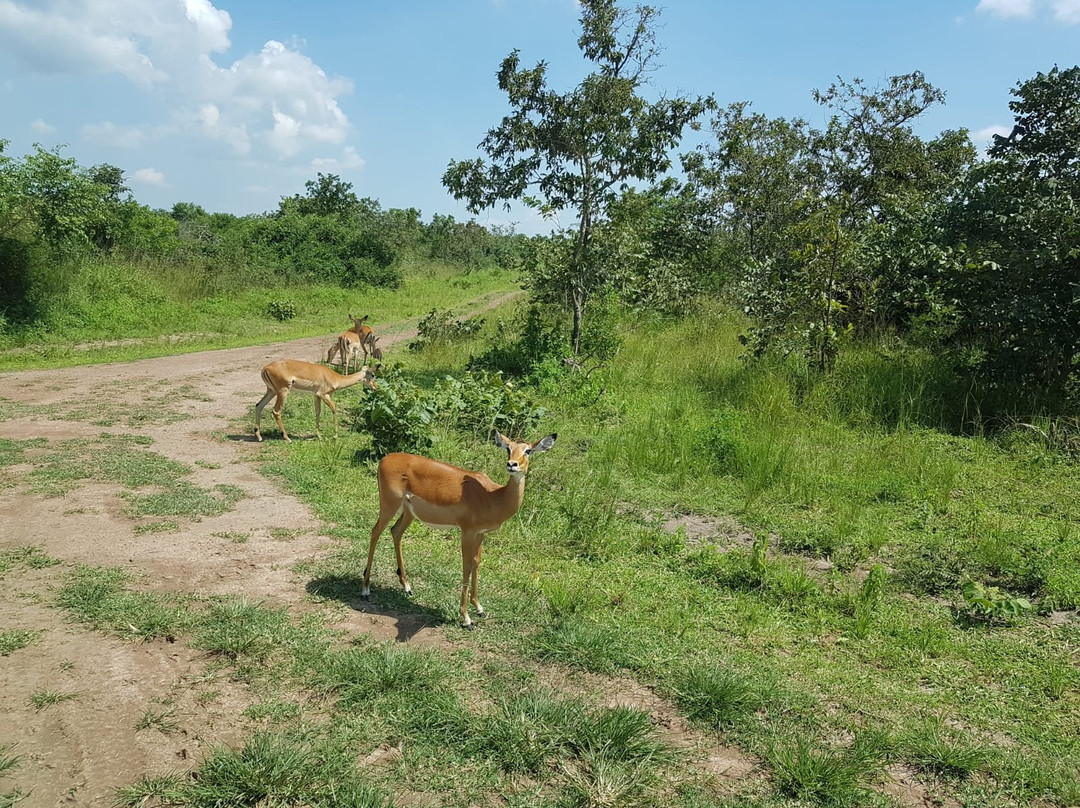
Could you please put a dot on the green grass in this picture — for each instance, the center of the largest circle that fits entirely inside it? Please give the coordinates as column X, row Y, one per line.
column 126, row 461
column 27, row 556
column 862, row 469
column 167, row 321
column 825, row 673
column 15, row 639
column 9, row 763
column 159, row 718
column 43, row 699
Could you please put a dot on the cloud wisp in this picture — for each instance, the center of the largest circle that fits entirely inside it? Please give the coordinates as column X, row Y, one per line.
column 1066, row 12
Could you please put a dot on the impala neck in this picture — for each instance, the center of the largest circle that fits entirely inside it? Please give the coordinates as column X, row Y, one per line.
column 513, row 493
column 349, row 381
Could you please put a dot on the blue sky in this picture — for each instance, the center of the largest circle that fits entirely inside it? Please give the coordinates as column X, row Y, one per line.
column 232, row 104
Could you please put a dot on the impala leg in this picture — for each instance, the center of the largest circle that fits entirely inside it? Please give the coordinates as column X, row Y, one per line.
column 326, row 400
column 279, row 405
column 385, row 515
column 476, row 575
column 318, row 414
column 469, row 545
column 259, row 409
column 397, row 531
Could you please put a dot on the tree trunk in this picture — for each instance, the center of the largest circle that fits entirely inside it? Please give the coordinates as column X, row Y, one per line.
column 578, row 300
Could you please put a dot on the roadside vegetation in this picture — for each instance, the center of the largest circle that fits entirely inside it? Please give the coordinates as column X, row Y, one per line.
column 813, row 500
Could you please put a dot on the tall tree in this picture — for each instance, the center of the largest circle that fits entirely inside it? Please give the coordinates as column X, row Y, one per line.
column 1015, row 227
column 575, row 151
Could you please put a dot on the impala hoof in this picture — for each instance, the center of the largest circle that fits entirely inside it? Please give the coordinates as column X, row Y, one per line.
column 468, row 626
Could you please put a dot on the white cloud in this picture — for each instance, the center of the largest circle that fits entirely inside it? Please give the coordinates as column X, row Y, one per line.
column 1006, row 8
column 41, row 128
column 148, row 176
column 984, row 138
column 1067, row 11
column 276, row 100
column 349, row 160
column 54, row 36
column 124, row 137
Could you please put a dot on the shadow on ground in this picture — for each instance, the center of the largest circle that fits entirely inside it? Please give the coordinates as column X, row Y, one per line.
column 386, row 603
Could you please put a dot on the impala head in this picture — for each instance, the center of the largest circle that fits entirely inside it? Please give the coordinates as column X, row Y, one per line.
column 518, row 454
column 369, row 376
column 358, row 321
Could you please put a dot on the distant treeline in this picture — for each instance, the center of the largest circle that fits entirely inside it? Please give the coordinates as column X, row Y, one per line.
column 57, row 216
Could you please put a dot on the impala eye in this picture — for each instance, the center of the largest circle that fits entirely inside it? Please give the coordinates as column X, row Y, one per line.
column 528, row 451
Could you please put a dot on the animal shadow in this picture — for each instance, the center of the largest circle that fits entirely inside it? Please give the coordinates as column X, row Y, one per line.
column 408, row 616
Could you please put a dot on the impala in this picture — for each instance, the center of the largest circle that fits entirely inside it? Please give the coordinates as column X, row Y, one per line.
column 284, row 375
column 444, row 496
column 355, row 337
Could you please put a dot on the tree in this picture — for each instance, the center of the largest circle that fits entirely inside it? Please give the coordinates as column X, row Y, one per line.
column 821, row 223
column 577, row 150
column 327, row 195
column 1015, row 229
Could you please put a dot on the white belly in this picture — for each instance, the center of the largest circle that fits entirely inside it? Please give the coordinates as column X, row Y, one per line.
column 421, row 510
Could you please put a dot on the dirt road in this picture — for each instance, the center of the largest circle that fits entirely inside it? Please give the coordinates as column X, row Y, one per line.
column 76, row 751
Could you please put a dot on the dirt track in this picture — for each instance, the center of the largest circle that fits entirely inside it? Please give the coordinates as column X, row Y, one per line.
column 77, row 751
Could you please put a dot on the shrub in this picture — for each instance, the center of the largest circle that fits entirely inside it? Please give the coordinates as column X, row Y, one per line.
column 281, row 310
column 520, row 346
column 399, row 416
column 991, row 603
column 439, row 327
column 480, row 402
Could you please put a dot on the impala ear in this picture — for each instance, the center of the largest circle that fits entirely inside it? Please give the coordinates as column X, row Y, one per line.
column 501, row 441
column 544, row 444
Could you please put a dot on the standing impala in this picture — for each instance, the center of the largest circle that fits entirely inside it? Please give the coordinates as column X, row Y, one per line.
column 444, row 496
column 350, row 341
column 284, row 375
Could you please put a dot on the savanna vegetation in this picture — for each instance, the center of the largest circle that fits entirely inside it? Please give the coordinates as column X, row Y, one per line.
column 815, row 482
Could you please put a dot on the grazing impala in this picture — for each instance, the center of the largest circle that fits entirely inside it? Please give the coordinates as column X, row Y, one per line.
column 284, row 375
column 444, row 496
column 355, row 338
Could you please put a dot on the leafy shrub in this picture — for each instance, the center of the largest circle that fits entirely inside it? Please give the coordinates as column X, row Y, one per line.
column 399, row 416
column 519, row 346
column 439, row 327
column 480, row 402
column 991, row 603
column 281, row 310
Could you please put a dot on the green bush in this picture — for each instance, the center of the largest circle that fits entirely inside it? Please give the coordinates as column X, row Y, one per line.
column 439, row 327
column 281, row 310
column 399, row 416
column 480, row 402
column 520, row 345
